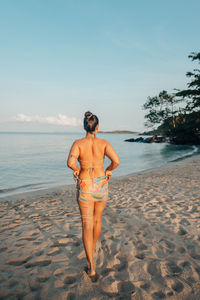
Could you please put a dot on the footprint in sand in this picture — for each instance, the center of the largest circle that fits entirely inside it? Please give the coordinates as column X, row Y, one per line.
column 140, row 255
column 198, row 270
column 184, row 222
column 145, row 286
column 106, row 271
column 167, row 244
column 70, row 280
column 17, row 261
column 181, row 231
column 153, row 268
column 54, row 251
column 41, row 261
column 175, row 285
column 33, row 283
column 185, row 264
column 70, row 296
column 123, row 264
column 140, row 246
column 173, row 216
column 181, row 250
column 126, row 288
column 170, row 268
column 11, row 282
column 158, row 295
column 163, row 248
column 3, row 248
column 194, row 255
column 190, row 280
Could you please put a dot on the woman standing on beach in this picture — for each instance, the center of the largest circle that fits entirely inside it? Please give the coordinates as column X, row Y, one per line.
column 92, row 183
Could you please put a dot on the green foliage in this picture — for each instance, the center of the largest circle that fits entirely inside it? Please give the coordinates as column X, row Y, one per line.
column 192, row 94
column 160, row 108
column 186, row 124
column 173, row 121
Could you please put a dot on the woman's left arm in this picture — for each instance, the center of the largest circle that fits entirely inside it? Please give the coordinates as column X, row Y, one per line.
column 72, row 159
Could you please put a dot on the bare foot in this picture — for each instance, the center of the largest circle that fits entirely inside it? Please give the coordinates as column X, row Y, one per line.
column 87, row 269
column 94, row 277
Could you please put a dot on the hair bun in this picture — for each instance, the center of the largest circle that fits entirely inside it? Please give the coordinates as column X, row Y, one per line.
column 88, row 114
column 90, row 121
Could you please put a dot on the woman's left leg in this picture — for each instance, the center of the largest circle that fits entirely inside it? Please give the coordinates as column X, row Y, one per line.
column 87, row 209
column 98, row 211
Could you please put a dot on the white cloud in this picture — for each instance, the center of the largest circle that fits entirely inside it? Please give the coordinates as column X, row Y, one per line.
column 61, row 120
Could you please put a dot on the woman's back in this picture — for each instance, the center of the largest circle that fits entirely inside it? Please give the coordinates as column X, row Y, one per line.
column 90, row 152
column 91, row 157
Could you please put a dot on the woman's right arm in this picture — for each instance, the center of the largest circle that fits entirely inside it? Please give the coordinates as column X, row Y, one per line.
column 72, row 159
column 112, row 155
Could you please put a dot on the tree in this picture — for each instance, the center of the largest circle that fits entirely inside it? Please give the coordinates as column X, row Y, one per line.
column 192, row 94
column 181, row 124
column 162, row 109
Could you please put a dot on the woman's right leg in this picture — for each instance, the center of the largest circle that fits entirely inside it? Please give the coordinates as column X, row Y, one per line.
column 87, row 209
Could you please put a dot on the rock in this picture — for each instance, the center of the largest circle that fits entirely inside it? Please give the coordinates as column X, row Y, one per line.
column 129, row 140
column 140, row 139
column 152, row 139
column 155, row 139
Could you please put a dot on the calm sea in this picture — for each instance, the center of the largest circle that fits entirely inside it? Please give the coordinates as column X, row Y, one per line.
column 34, row 161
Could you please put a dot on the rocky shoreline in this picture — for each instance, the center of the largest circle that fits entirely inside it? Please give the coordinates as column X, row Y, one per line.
column 152, row 139
column 178, row 140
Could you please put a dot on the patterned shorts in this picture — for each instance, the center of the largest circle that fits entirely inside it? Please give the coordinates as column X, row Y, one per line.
column 94, row 189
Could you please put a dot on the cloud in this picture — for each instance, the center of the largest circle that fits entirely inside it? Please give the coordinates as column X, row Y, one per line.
column 61, row 120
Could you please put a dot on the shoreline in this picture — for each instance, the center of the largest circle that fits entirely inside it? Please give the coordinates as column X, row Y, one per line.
column 148, row 247
column 59, row 188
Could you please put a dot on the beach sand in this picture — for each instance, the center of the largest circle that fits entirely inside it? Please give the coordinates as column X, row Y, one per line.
column 149, row 246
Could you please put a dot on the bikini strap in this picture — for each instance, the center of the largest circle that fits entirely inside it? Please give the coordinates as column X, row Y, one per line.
column 91, row 168
column 91, row 160
column 102, row 177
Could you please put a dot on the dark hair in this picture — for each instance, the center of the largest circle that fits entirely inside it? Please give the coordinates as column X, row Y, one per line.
column 90, row 122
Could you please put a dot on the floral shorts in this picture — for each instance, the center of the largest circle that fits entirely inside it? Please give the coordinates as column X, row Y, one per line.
column 94, row 189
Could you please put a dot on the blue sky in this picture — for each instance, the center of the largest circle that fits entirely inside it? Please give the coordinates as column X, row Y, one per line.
column 60, row 58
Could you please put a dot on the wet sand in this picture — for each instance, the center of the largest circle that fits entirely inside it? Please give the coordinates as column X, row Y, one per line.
column 149, row 247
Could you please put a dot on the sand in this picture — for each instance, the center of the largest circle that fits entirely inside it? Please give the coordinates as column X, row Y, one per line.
column 149, row 247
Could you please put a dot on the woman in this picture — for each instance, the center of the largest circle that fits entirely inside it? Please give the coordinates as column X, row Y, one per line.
column 92, row 183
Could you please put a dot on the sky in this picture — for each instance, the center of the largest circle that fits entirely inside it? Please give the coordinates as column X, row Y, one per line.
column 61, row 58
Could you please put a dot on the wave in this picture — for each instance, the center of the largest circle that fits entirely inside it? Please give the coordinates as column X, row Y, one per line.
column 25, row 186
column 195, row 150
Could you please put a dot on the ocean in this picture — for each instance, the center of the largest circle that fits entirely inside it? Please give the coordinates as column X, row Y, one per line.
column 36, row 161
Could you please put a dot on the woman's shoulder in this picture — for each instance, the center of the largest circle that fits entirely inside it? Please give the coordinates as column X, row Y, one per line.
column 79, row 140
column 103, row 141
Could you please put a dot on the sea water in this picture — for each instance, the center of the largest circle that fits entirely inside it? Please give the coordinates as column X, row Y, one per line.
column 35, row 161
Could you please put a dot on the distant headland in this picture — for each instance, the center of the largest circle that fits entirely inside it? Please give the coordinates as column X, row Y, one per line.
column 120, row 131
